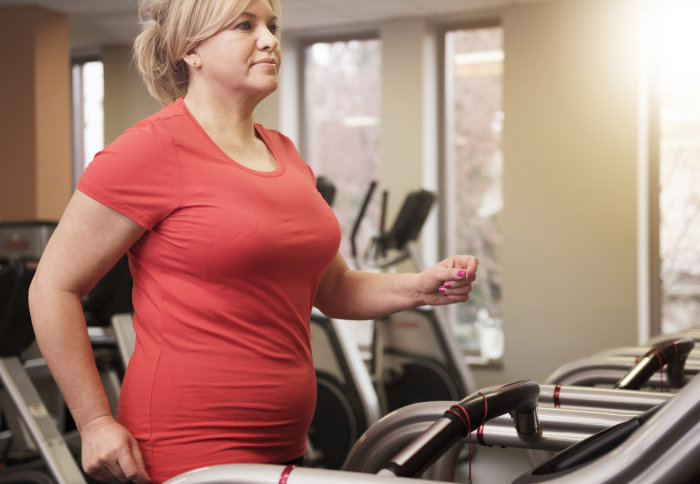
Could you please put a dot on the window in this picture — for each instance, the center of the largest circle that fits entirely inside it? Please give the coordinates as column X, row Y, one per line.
column 342, row 104
column 473, row 201
column 88, row 114
column 679, row 165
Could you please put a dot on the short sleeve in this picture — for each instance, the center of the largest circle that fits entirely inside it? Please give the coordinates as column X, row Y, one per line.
column 139, row 175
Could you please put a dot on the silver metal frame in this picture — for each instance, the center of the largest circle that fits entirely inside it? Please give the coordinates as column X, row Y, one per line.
column 17, row 390
column 358, row 372
column 664, row 449
column 606, row 370
column 275, row 474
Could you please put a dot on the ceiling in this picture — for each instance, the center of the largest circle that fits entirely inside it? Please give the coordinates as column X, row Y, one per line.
column 103, row 22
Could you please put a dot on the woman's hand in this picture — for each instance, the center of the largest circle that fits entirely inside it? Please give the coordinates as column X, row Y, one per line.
column 448, row 281
column 111, row 452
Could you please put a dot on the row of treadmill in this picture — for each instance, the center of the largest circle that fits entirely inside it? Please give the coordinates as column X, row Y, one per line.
column 406, row 409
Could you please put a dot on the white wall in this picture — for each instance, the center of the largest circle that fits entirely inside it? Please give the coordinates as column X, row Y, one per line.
column 126, row 98
column 570, row 171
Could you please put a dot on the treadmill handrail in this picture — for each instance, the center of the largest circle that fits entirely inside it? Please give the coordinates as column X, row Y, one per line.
column 663, row 449
column 275, row 474
column 670, row 354
column 519, row 399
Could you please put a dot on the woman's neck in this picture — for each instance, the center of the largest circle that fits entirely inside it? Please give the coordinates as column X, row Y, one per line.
column 230, row 120
column 231, row 127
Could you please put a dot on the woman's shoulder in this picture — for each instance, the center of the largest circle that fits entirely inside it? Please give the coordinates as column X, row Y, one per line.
column 151, row 134
column 173, row 113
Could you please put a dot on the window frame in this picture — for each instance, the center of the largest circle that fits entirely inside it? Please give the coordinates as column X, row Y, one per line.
column 78, row 112
column 303, row 43
column 472, row 356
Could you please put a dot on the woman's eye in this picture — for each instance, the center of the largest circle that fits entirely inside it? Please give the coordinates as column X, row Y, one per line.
column 274, row 29
column 244, row 26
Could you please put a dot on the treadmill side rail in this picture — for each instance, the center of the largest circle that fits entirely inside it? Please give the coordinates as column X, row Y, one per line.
column 15, row 382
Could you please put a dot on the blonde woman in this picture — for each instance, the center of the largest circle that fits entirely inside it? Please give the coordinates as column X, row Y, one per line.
column 230, row 246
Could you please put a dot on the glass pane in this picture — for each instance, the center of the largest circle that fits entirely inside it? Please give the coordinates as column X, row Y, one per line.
column 93, row 111
column 679, row 196
column 342, row 113
column 473, row 91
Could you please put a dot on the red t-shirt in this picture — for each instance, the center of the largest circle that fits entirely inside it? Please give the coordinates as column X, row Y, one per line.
column 224, row 281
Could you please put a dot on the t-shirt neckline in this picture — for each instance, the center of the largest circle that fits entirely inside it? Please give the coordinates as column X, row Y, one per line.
column 259, row 129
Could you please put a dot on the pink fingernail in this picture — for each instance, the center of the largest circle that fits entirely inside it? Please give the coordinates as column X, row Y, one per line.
column 460, row 274
column 441, row 289
column 447, row 285
column 469, row 274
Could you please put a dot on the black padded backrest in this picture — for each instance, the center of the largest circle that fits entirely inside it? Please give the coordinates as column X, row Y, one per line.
column 409, row 222
column 16, row 332
column 110, row 296
column 8, row 278
column 326, row 188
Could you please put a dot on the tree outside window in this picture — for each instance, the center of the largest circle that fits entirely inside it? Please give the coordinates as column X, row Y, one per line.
column 342, row 83
column 473, row 169
column 679, row 167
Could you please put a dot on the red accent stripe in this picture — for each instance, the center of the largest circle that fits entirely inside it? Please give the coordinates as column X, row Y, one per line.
column 662, row 361
column 486, row 408
column 464, row 422
column 468, row 424
column 285, row 474
column 480, row 430
column 555, row 396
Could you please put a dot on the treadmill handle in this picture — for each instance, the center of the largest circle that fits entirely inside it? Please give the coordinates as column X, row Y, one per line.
column 519, row 399
column 672, row 353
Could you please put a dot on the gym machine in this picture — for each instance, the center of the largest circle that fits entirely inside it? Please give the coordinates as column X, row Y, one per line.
column 414, row 354
column 35, row 450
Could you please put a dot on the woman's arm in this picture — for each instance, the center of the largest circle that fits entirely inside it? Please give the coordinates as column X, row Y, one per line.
column 88, row 241
column 350, row 294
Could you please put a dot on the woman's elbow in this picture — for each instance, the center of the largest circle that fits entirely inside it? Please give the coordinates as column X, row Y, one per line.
column 33, row 295
column 36, row 297
column 322, row 306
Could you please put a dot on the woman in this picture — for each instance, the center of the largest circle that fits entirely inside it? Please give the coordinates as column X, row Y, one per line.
column 230, row 245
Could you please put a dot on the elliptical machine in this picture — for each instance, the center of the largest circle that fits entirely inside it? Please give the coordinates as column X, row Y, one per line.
column 346, row 402
column 33, row 448
column 414, row 354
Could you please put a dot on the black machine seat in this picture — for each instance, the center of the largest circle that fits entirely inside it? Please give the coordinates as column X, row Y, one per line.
column 410, row 220
column 398, row 239
column 326, row 188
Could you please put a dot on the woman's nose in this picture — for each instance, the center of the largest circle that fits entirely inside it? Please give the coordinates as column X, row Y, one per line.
column 267, row 40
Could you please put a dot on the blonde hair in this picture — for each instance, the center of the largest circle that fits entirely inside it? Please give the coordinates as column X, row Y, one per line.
column 171, row 29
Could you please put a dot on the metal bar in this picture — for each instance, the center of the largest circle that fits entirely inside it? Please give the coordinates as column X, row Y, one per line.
column 41, row 426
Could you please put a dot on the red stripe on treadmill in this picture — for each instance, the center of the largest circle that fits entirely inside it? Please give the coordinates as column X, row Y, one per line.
column 555, row 396
column 285, row 474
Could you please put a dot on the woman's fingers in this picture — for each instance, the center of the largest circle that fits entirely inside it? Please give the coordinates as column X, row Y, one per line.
column 110, row 453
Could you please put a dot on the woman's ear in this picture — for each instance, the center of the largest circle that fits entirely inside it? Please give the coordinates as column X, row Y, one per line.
column 192, row 59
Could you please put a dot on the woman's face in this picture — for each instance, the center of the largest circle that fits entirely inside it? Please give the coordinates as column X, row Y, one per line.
column 245, row 55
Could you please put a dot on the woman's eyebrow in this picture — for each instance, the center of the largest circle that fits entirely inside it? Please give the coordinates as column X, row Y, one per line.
column 253, row 16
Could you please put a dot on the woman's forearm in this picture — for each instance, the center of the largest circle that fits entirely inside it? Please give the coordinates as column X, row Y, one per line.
column 350, row 294
column 90, row 238
column 364, row 295
column 61, row 333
